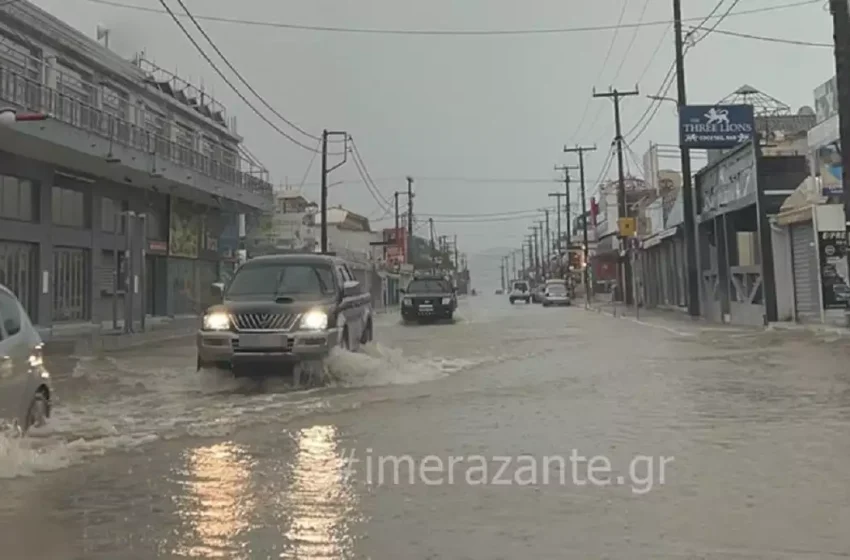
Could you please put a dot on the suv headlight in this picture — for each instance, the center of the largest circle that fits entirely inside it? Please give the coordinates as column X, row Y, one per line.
column 447, row 300
column 315, row 320
column 407, row 301
column 216, row 321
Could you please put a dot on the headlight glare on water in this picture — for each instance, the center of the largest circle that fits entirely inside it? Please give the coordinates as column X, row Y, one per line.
column 315, row 320
column 216, row 321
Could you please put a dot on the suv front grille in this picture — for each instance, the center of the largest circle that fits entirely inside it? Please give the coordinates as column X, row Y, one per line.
column 264, row 321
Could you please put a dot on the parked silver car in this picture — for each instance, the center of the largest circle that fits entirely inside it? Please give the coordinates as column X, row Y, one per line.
column 25, row 391
column 555, row 293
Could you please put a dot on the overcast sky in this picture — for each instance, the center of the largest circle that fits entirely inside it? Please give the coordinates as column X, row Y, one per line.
column 479, row 107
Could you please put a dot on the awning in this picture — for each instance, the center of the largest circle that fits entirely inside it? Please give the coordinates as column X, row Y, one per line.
column 657, row 238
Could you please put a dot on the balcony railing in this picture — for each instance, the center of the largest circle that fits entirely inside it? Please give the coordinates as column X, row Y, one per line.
column 31, row 95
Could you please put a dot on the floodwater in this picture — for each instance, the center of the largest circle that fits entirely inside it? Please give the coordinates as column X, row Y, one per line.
column 515, row 432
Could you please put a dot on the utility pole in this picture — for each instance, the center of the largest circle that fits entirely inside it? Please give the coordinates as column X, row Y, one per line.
column 626, row 276
column 433, row 249
column 457, row 265
column 410, row 220
column 687, row 182
column 325, row 171
column 395, row 195
column 502, row 269
column 529, row 239
column 513, row 258
column 558, row 196
column 580, row 150
column 548, row 247
column 538, row 251
column 566, row 169
column 841, row 27
column 535, row 255
column 522, row 260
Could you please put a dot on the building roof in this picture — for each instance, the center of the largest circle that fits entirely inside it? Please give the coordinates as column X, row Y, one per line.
column 338, row 216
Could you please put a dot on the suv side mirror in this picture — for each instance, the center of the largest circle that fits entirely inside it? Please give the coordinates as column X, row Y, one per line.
column 217, row 290
column 350, row 288
column 402, row 291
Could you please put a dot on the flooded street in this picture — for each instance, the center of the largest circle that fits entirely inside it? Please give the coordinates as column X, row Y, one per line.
column 452, row 441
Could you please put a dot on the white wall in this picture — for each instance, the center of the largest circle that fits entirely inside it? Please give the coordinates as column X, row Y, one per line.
column 783, row 272
column 353, row 245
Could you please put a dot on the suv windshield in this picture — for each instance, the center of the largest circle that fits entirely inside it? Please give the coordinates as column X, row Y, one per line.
column 273, row 280
column 556, row 289
column 521, row 286
column 429, row 286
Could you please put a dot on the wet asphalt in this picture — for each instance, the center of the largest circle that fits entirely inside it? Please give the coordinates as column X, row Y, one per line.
column 514, row 432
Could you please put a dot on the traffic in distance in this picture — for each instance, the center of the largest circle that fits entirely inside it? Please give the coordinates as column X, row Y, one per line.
column 551, row 292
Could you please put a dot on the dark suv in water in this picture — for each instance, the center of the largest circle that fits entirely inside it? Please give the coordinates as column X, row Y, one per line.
column 282, row 310
column 428, row 298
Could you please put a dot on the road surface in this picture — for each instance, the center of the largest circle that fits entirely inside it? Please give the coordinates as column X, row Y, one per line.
column 516, row 432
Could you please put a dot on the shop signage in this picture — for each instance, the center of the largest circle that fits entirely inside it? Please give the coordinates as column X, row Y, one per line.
column 158, row 247
column 713, row 127
column 732, row 179
column 835, row 284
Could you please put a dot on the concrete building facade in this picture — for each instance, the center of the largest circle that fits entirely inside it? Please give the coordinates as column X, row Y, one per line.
column 125, row 201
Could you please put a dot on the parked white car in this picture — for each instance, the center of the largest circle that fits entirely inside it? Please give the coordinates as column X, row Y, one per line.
column 25, row 391
column 555, row 293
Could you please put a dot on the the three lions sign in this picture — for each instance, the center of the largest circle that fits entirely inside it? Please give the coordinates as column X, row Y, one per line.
column 713, row 127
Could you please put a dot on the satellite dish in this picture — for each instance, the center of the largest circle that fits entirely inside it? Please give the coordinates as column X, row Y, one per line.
column 806, row 110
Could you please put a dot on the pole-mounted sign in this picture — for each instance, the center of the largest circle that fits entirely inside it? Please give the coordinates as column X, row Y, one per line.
column 713, row 127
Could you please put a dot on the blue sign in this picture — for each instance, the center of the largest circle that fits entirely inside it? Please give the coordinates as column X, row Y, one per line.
column 713, row 127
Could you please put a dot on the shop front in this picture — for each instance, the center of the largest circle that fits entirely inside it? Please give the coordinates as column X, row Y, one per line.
column 735, row 196
column 810, row 252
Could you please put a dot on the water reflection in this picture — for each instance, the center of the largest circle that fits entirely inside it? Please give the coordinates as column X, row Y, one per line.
column 320, row 500
column 217, row 503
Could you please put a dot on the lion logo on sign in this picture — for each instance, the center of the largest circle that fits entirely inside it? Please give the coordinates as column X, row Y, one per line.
column 717, row 116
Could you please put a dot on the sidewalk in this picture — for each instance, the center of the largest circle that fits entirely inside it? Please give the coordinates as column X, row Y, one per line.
column 667, row 316
column 81, row 339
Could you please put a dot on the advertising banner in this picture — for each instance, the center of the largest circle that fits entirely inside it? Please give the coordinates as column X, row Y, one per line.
column 713, row 127
column 832, row 246
column 395, row 252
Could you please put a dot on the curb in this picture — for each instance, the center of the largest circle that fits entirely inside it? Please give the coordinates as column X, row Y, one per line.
column 101, row 344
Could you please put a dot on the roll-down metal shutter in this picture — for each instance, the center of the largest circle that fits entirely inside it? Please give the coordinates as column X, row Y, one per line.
column 804, row 261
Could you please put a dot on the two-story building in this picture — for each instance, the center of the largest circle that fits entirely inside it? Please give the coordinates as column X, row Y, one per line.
column 119, row 201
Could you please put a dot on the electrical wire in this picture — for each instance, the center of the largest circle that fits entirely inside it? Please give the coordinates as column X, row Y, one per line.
column 439, row 32
column 665, row 87
column 371, row 183
column 773, row 39
column 382, row 205
column 228, row 82
column 602, row 66
column 686, row 49
column 239, row 75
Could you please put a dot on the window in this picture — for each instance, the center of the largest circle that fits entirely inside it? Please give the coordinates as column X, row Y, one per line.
column 276, row 280
column 110, row 215
column 429, row 286
column 69, row 208
column 115, row 102
column 10, row 311
column 17, row 199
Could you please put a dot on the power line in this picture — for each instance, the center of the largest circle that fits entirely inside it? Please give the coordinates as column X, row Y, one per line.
column 665, row 88
column 773, row 39
column 601, row 72
column 447, row 32
column 228, row 82
column 239, row 75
